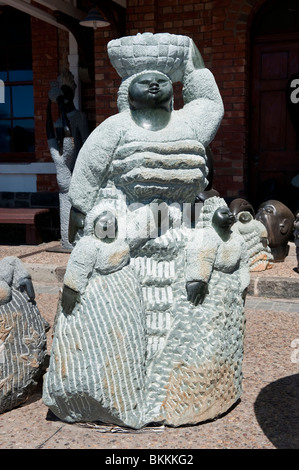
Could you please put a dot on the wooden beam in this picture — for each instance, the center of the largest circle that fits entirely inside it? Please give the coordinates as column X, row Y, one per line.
column 64, row 7
column 36, row 12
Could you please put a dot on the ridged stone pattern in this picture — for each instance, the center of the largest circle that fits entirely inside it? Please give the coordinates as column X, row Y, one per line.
column 22, row 349
column 97, row 365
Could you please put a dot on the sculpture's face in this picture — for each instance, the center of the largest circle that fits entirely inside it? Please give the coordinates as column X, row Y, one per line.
column 151, row 90
column 245, row 217
column 223, row 218
column 277, row 219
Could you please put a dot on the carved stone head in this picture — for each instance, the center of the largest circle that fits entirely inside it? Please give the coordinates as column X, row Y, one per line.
column 241, row 205
column 151, row 89
column 279, row 220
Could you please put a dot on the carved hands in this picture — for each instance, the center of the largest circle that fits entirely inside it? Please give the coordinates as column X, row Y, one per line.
column 25, row 284
column 195, row 60
column 196, row 291
column 76, row 222
column 70, row 298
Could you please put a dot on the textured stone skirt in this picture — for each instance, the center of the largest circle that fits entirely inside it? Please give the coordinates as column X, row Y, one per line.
column 23, row 350
column 97, row 364
column 136, row 351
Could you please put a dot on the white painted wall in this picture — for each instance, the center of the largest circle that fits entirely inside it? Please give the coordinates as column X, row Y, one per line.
column 17, row 177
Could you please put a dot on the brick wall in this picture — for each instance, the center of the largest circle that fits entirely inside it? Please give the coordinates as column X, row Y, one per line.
column 45, row 68
column 221, row 30
column 107, row 81
column 50, row 50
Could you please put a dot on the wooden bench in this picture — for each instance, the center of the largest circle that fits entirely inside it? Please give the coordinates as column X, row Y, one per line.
column 26, row 216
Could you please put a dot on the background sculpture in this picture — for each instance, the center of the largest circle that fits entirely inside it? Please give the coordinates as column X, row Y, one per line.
column 22, row 335
column 170, row 163
column 278, row 220
column 65, row 138
column 135, row 292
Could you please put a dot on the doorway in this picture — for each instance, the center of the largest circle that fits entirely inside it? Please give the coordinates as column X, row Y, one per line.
column 274, row 138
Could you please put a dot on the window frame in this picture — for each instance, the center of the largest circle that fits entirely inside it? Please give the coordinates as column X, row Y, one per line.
column 17, row 156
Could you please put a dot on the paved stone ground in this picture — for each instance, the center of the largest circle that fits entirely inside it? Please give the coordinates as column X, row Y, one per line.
column 267, row 416
column 274, row 304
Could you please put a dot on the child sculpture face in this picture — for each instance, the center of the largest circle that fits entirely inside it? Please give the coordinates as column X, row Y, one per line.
column 151, row 90
column 223, row 218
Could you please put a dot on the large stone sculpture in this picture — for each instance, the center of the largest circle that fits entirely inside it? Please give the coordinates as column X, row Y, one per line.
column 143, row 291
column 278, row 220
column 65, row 138
column 22, row 335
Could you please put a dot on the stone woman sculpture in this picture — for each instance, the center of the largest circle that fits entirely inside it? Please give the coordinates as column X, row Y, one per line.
column 22, row 335
column 149, row 151
column 256, row 238
column 62, row 92
column 131, row 286
column 62, row 154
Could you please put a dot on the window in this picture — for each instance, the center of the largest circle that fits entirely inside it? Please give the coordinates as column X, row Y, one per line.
column 17, row 140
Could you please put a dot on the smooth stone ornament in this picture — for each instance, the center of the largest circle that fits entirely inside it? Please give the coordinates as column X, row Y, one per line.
column 65, row 138
column 278, row 220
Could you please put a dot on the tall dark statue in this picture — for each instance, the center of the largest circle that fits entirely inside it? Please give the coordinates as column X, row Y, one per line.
column 279, row 220
column 65, row 138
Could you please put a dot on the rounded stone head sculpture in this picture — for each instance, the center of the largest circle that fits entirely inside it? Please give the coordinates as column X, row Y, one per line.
column 223, row 218
column 150, row 98
column 150, row 89
column 278, row 220
column 241, row 205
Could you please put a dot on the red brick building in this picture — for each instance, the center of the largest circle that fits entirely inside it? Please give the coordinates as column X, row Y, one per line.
column 251, row 46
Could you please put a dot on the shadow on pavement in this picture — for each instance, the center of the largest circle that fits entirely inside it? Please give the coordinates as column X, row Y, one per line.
column 277, row 412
